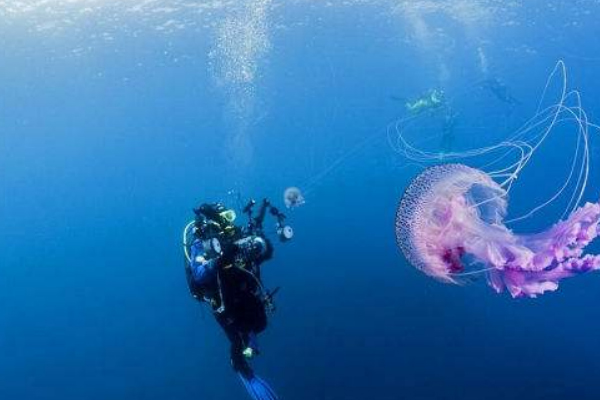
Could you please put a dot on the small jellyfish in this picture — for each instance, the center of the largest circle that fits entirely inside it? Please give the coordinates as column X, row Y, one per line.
column 292, row 197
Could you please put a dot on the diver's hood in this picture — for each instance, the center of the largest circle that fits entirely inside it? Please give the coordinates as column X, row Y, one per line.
column 210, row 211
column 214, row 219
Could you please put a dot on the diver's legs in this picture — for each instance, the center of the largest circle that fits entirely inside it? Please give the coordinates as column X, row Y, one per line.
column 253, row 341
column 239, row 362
column 238, row 341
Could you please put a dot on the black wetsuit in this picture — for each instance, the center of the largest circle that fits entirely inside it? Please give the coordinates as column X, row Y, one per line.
column 236, row 298
column 244, row 314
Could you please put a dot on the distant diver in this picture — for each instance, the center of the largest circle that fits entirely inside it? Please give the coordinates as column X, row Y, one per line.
column 223, row 269
column 500, row 90
column 433, row 99
column 448, row 125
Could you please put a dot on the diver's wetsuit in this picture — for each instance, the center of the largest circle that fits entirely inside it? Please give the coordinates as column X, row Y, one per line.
column 235, row 298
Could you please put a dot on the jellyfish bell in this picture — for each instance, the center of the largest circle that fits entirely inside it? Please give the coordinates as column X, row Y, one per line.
column 292, row 197
column 451, row 217
column 431, row 205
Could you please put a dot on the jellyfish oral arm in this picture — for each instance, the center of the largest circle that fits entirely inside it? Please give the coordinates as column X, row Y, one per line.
column 558, row 255
column 568, row 238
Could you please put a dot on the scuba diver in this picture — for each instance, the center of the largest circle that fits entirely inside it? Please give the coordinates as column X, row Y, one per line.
column 435, row 102
column 222, row 267
column 432, row 100
column 449, row 122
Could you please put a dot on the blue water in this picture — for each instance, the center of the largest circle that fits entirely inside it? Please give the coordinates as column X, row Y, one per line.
column 117, row 118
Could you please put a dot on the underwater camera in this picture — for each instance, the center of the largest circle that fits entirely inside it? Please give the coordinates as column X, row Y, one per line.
column 252, row 248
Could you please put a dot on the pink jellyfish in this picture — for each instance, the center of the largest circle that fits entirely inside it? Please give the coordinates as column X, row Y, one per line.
column 451, row 214
column 451, row 221
column 292, row 197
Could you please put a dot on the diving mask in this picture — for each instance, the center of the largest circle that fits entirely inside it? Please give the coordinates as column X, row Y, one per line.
column 228, row 215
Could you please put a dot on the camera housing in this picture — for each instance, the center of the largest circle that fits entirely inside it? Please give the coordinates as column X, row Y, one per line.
column 252, row 248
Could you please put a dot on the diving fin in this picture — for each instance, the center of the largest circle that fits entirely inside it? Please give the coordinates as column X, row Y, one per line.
column 257, row 388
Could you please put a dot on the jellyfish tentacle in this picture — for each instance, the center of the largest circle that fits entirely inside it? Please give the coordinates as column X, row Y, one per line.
column 524, row 143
